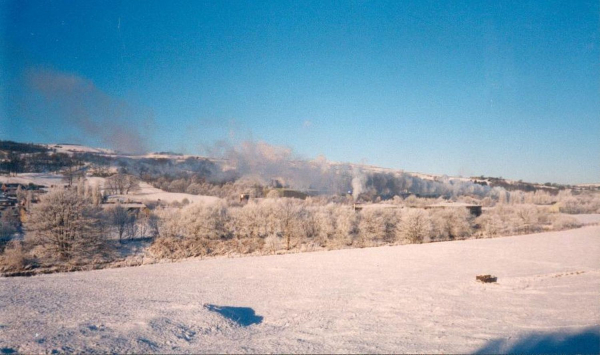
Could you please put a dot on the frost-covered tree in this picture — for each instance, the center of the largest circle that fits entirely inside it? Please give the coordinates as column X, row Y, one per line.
column 67, row 225
column 415, row 225
column 491, row 225
column 527, row 217
column 450, row 223
column 168, row 223
column 288, row 210
column 251, row 221
column 346, row 225
column 205, row 221
column 376, row 226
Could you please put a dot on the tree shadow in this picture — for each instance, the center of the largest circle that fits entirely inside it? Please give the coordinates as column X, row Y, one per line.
column 585, row 342
column 243, row 316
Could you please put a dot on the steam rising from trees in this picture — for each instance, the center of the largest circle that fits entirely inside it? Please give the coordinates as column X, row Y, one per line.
column 260, row 162
column 358, row 183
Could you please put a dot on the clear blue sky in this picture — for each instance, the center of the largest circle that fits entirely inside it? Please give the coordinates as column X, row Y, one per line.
column 497, row 88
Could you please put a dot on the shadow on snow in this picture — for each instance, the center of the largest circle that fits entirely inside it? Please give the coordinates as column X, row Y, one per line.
column 585, row 342
column 243, row 316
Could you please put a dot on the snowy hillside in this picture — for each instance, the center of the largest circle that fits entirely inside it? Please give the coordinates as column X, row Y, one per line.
column 412, row 298
column 77, row 148
column 146, row 193
column 149, row 193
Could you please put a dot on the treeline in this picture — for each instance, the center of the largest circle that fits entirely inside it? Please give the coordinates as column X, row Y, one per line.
column 10, row 146
column 520, row 185
column 273, row 225
column 18, row 158
column 43, row 162
column 69, row 229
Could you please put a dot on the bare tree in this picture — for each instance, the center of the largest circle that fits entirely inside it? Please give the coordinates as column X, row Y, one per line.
column 73, row 171
column 96, row 195
column 139, row 225
column 121, row 184
column 9, row 223
column 119, row 219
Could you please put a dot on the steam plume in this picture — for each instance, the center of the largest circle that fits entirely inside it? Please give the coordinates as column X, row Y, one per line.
column 261, row 162
column 358, row 183
column 76, row 101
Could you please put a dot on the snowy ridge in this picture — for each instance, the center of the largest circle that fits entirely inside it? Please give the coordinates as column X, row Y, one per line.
column 77, row 148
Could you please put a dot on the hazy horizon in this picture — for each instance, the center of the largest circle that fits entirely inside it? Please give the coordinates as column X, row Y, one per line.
column 463, row 88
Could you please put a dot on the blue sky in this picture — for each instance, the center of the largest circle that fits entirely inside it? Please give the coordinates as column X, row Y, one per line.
column 497, row 88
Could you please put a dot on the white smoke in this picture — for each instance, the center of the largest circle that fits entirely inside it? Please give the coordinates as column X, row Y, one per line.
column 358, row 182
column 263, row 163
column 77, row 102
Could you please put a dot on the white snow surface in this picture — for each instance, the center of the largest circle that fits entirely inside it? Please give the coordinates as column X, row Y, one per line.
column 46, row 179
column 586, row 218
column 78, row 148
column 148, row 192
column 411, row 298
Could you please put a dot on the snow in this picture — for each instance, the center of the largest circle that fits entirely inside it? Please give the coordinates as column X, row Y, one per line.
column 148, row 192
column 46, row 179
column 586, row 218
column 412, row 298
column 77, row 148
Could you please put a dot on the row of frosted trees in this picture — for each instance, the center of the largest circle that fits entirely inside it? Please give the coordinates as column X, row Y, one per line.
column 70, row 225
column 271, row 225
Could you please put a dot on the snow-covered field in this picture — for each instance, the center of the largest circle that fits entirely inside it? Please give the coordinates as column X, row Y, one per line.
column 144, row 194
column 35, row 178
column 150, row 193
column 587, row 218
column 412, row 298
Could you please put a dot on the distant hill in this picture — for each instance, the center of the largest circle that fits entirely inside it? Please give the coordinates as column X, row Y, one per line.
column 18, row 157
